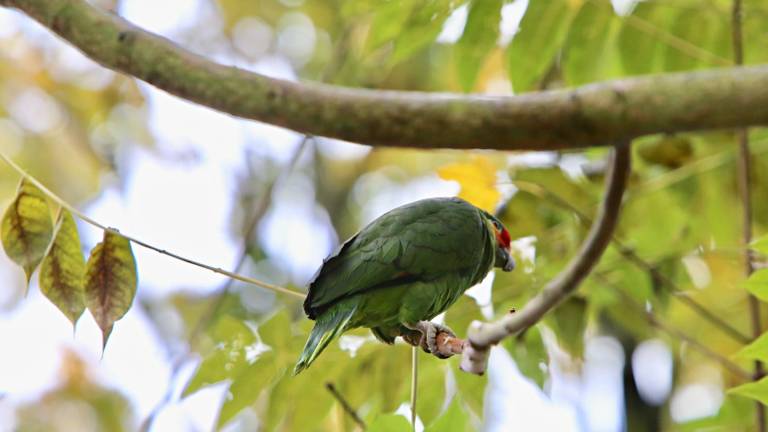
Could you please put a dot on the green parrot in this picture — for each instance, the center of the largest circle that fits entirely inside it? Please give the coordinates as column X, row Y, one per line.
column 402, row 270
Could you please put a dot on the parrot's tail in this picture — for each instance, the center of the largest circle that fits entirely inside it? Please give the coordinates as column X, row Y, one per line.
column 328, row 325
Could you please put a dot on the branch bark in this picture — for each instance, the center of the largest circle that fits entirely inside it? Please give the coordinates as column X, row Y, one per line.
column 598, row 114
column 483, row 335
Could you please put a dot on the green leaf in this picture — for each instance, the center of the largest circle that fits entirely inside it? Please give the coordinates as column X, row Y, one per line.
column 480, row 35
column 388, row 22
column 462, row 313
column 757, row 350
column 755, row 37
column 389, row 423
column 760, row 245
column 432, row 388
column 63, row 269
column 470, row 387
column 535, row 47
column 700, row 30
column 27, row 228
column 755, row 390
column 248, row 386
column 110, row 281
column 757, row 284
column 590, row 49
column 735, row 414
column 454, row 419
column 529, row 353
column 276, row 331
column 639, row 49
column 570, row 319
column 233, row 338
column 422, row 28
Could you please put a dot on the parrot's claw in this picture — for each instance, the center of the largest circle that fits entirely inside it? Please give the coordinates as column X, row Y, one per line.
column 428, row 340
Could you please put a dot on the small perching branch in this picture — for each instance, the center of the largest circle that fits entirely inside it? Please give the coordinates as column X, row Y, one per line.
column 483, row 335
column 597, row 114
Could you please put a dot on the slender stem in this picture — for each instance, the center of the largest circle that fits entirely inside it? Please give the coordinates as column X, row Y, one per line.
column 736, row 32
column 744, row 173
column 345, row 405
column 754, row 304
column 414, row 383
column 87, row 219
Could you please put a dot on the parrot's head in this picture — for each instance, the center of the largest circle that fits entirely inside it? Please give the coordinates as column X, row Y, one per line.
column 504, row 258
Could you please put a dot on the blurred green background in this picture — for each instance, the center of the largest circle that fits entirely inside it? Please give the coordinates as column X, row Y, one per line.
column 198, row 352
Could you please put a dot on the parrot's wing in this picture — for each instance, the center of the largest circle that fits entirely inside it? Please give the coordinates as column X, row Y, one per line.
column 403, row 246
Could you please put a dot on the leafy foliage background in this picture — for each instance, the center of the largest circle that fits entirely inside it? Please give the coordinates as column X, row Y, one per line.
column 75, row 126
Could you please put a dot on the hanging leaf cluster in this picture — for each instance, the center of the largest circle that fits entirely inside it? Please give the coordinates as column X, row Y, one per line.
column 105, row 284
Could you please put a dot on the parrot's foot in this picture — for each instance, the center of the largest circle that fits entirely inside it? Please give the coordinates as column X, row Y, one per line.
column 425, row 334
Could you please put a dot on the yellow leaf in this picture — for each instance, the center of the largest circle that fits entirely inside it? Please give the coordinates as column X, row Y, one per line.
column 27, row 228
column 110, row 281
column 477, row 178
column 62, row 270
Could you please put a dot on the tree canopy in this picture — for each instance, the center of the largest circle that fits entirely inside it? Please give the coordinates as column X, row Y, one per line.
column 529, row 109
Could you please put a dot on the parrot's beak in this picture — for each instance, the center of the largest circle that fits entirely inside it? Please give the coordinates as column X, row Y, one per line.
column 509, row 265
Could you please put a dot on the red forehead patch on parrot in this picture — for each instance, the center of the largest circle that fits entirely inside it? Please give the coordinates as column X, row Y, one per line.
column 503, row 238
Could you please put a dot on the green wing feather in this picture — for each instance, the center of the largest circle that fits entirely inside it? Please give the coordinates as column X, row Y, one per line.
column 328, row 326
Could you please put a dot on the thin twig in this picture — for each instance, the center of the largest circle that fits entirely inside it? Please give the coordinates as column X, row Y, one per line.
column 345, row 405
column 414, row 383
column 87, row 219
column 482, row 336
column 629, row 254
column 744, row 174
column 674, row 331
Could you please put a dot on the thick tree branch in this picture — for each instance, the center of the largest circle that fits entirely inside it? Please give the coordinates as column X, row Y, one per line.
column 597, row 114
column 483, row 335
